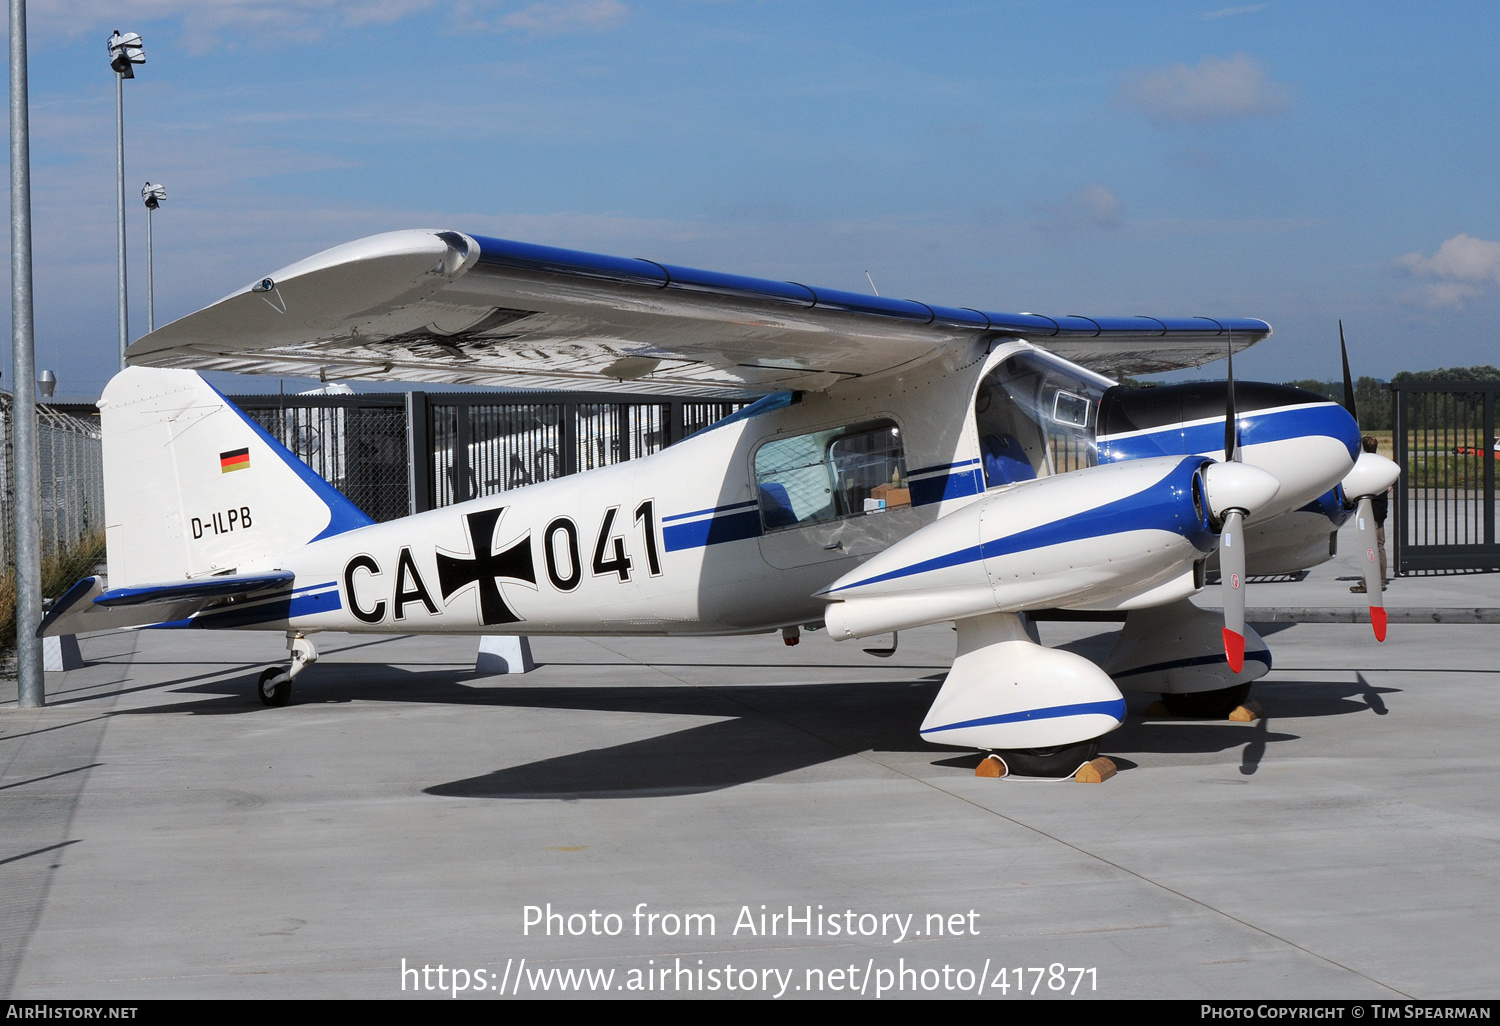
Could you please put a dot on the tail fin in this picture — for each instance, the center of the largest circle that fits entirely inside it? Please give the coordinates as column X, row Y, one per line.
column 192, row 486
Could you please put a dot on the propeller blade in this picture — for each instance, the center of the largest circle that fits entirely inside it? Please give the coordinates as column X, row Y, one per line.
column 1374, row 589
column 1232, row 579
column 1348, row 378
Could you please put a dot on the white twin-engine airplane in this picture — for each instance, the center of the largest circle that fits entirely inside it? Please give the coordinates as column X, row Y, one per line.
column 908, row 465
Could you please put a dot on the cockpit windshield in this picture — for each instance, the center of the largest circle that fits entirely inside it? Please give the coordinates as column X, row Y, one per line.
column 1036, row 415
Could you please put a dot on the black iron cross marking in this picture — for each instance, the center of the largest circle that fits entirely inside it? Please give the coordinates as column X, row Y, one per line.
column 487, row 565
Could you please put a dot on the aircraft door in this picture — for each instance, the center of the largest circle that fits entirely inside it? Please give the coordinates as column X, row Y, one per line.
column 1035, row 415
column 830, row 494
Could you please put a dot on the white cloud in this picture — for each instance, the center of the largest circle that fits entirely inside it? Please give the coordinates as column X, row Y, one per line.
column 551, row 19
column 1232, row 12
column 1098, row 204
column 1216, row 89
column 1460, row 266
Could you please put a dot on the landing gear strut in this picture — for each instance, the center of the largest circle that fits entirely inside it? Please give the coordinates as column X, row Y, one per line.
column 275, row 686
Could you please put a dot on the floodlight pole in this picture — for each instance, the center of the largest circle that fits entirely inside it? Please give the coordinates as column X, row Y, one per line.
column 124, row 315
column 150, row 274
column 151, row 196
column 31, row 690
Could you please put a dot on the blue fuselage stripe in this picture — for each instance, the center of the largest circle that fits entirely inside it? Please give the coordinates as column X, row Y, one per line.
column 705, row 512
column 1256, row 428
column 714, row 531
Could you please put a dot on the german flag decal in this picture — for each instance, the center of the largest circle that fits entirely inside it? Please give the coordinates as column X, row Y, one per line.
column 234, row 459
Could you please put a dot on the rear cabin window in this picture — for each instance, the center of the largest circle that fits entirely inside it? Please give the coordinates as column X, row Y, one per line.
column 825, row 475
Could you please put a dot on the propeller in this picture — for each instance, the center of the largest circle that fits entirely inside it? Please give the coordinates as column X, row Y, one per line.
column 1234, row 491
column 1364, row 520
column 1232, row 540
column 1364, row 517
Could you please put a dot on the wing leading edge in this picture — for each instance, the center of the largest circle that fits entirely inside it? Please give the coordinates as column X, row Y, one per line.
column 442, row 306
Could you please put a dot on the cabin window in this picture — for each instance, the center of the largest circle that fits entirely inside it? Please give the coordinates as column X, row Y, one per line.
column 1036, row 415
column 849, row 471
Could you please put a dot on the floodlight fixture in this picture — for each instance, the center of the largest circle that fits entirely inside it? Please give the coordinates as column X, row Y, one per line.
column 152, row 195
column 46, row 383
column 125, row 51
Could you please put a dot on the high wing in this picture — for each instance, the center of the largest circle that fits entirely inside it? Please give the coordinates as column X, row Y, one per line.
column 442, row 306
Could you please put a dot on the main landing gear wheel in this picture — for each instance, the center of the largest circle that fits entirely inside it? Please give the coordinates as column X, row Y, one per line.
column 1062, row 761
column 1207, row 705
column 274, row 692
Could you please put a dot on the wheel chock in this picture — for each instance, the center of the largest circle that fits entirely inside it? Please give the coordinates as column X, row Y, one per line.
column 1096, row 771
column 1248, row 713
column 991, row 766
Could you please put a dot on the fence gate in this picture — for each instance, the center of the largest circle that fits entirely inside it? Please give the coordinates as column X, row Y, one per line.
column 1444, row 441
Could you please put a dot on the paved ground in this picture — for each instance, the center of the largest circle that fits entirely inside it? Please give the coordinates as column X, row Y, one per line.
column 164, row 835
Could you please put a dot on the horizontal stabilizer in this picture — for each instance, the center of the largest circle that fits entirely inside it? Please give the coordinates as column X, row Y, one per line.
column 88, row 607
column 221, row 586
column 77, row 613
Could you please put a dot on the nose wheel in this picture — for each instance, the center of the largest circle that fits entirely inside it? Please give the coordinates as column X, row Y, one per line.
column 275, row 684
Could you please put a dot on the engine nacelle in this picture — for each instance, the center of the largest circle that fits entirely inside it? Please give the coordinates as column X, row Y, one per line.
column 1111, row 536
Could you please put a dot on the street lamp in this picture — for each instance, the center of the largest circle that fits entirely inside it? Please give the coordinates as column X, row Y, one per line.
column 151, row 195
column 124, row 53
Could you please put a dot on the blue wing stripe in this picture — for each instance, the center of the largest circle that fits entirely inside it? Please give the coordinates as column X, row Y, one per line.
column 523, row 256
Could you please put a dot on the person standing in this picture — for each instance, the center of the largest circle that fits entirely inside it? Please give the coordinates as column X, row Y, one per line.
column 1380, row 505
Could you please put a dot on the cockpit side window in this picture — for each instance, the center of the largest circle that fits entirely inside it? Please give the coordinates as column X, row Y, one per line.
column 827, row 475
column 1035, row 416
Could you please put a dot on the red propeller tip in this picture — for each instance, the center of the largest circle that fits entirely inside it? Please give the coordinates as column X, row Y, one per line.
column 1234, row 649
column 1377, row 620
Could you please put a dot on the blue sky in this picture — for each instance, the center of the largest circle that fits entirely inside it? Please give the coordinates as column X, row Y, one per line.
column 1295, row 162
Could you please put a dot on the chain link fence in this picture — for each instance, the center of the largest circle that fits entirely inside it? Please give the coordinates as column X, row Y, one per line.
column 72, row 479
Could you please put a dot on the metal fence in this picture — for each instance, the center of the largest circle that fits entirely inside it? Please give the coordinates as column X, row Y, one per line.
column 466, row 445
column 358, row 446
column 394, row 454
column 71, row 476
column 1444, row 441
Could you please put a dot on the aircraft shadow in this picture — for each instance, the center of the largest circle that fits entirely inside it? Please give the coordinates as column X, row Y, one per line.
column 767, row 730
